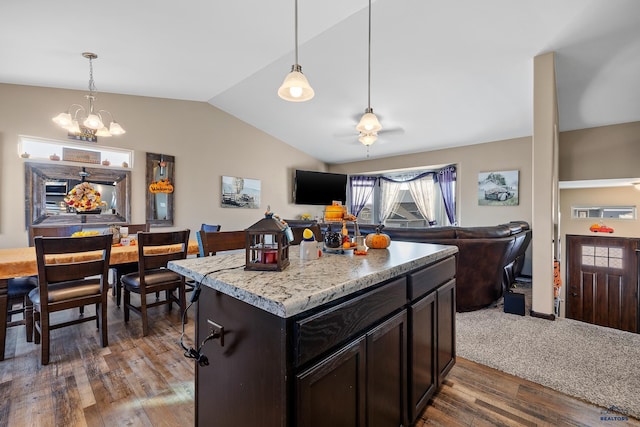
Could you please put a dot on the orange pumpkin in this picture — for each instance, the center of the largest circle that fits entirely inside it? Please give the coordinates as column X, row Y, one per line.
column 333, row 213
column 378, row 240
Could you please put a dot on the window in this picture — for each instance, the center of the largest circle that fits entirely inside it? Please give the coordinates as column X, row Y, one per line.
column 604, row 212
column 410, row 200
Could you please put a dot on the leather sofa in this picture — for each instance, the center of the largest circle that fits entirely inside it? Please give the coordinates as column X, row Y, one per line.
column 489, row 259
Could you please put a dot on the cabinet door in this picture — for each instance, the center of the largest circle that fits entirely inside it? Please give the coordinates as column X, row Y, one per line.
column 331, row 393
column 446, row 327
column 387, row 373
column 422, row 348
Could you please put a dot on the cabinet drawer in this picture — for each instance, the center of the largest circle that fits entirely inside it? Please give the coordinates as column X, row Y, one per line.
column 426, row 280
column 326, row 329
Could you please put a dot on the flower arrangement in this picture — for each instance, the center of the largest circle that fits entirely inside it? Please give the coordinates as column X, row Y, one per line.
column 83, row 197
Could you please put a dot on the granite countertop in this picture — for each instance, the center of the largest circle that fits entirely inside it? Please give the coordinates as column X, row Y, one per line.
column 306, row 284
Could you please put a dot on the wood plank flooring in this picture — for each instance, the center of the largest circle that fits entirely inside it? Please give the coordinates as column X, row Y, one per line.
column 146, row 381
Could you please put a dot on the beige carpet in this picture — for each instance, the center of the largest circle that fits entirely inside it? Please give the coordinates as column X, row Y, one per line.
column 593, row 363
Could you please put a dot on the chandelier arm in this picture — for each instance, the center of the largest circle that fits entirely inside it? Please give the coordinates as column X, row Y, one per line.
column 78, row 108
column 108, row 112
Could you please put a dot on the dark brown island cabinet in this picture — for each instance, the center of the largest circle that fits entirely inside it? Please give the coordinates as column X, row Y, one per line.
column 371, row 355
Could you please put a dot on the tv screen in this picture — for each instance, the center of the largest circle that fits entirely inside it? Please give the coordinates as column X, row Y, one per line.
column 319, row 188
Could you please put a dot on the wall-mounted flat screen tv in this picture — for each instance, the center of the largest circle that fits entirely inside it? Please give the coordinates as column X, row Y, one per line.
column 319, row 188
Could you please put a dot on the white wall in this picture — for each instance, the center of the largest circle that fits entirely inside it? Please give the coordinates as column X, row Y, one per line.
column 206, row 142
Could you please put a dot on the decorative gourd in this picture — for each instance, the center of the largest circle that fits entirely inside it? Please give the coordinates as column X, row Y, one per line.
column 378, row 240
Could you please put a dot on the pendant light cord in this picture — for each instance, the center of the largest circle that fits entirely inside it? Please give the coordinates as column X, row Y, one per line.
column 296, row 29
column 369, row 63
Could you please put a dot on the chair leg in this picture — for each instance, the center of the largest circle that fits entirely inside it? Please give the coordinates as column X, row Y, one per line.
column 118, row 288
column 98, row 316
column 44, row 322
column 37, row 326
column 104, row 338
column 143, row 314
column 28, row 318
column 116, row 281
column 127, row 302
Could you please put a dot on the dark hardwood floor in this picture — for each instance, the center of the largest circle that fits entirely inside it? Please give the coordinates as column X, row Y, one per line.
column 147, row 382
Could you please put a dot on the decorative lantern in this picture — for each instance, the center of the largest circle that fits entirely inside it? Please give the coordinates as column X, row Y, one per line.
column 267, row 245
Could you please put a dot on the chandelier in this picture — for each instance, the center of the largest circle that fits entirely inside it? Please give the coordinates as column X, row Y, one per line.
column 369, row 126
column 90, row 118
column 296, row 87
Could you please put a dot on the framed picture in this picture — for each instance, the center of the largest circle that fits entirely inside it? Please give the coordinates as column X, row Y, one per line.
column 82, row 156
column 498, row 188
column 240, row 192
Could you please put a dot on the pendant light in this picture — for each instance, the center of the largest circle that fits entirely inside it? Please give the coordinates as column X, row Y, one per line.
column 369, row 126
column 90, row 118
column 295, row 87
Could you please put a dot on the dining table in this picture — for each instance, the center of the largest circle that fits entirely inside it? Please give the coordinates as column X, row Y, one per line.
column 21, row 262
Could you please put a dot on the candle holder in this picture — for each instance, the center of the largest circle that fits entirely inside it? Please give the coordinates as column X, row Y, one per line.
column 267, row 245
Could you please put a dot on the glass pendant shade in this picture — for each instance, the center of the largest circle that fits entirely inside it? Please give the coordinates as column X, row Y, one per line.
column 368, row 123
column 116, row 129
column 62, row 119
column 93, row 122
column 74, row 127
column 296, row 87
column 103, row 131
column 368, row 138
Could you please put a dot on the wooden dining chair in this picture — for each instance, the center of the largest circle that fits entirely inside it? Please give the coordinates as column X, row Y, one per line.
column 18, row 288
column 122, row 269
column 18, row 295
column 155, row 250
column 218, row 241
column 53, row 231
column 210, row 227
column 72, row 272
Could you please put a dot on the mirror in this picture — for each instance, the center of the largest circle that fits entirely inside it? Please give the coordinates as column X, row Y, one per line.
column 159, row 191
column 46, row 185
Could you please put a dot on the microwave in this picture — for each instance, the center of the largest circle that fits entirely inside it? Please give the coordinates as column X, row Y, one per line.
column 56, row 188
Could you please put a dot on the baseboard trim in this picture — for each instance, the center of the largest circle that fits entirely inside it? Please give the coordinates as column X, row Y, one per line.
column 542, row 315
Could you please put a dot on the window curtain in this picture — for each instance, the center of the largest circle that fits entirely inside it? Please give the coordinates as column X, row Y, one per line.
column 390, row 193
column 446, row 181
column 361, row 189
column 422, row 191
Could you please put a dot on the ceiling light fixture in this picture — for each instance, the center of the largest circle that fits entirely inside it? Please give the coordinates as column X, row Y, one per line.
column 295, row 87
column 369, row 126
column 89, row 118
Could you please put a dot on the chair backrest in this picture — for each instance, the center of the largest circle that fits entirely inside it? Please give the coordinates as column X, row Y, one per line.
column 218, row 241
column 210, row 227
column 59, row 231
column 90, row 258
column 136, row 228
column 155, row 250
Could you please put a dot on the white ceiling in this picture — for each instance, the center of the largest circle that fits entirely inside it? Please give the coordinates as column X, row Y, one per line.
column 443, row 73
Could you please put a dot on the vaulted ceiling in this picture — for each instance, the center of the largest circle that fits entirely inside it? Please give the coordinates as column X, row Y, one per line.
column 443, row 73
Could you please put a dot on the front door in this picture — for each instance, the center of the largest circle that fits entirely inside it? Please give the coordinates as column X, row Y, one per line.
column 603, row 281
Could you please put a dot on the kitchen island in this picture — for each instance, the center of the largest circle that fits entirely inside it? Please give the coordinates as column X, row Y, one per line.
column 342, row 340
